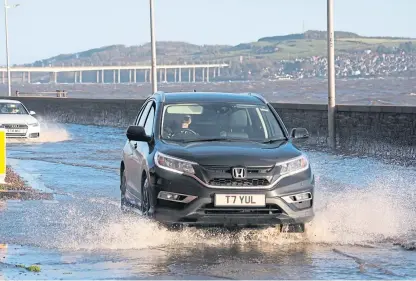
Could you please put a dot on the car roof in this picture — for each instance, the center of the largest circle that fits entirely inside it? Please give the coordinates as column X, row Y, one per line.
column 176, row 97
column 9, row 101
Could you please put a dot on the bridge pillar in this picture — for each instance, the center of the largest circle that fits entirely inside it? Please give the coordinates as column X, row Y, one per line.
column 166, row 75
column 214, row 72
column 180, row 75
column 203, row 75
column 119, row 76
column 207, row 74
column 23, row 77
column 114, row 76
column 98, row 76
column 135, row 76
column 176, row 79
column 3, row 78
column 194, row 75
column 102, row 76
column 53, row 77
column 130, row 76
column 160, row 75
column 189, row 75
column 80, row 77
column 219, row 71
column 145, row 76
column 75, row 77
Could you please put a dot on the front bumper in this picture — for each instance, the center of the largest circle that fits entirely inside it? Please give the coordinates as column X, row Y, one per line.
column 30, row 132
column 200, row 210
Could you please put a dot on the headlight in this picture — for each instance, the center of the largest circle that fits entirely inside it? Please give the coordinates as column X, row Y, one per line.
column 33, row 124
column 173, row 164
column 294, row 166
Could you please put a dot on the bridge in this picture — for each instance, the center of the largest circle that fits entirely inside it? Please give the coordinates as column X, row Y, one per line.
column 206, row 71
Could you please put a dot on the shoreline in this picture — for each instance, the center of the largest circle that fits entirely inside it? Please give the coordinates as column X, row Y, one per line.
column 16, row 188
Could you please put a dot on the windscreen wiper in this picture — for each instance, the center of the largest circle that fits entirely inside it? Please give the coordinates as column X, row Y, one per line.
column 273, row 140
column 208, row 139
column 220, row 139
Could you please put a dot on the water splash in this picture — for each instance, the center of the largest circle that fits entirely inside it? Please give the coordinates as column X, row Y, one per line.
column 357, row 217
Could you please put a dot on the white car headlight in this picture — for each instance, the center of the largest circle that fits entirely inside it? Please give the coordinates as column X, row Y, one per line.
column 35, row 124
column 173, row 164
column 294, row 166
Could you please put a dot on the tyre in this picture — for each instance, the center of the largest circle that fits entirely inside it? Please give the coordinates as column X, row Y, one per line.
column 146, row 199
column 123, row 187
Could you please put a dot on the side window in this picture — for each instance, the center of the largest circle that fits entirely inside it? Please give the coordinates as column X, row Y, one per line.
column 148, row 127
column 276, row 130
column 143, row 117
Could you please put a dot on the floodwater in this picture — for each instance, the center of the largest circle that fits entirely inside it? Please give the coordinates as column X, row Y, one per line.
column 365, row 216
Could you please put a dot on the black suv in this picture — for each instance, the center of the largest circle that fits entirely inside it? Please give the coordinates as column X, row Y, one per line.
column 215, row 159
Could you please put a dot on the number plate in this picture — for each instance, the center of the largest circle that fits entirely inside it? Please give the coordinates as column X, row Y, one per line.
column 16, row 131
column 244, row 200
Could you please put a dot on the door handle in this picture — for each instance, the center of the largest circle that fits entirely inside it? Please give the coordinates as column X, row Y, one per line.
column 135, row 145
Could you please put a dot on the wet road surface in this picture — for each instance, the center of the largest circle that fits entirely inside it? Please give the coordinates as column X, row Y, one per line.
column 365, row 213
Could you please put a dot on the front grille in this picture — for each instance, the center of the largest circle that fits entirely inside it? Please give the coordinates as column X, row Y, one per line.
column 244, row 182
column 15, row 135
column 268, row 210
column 227, row 169
column 15, row 126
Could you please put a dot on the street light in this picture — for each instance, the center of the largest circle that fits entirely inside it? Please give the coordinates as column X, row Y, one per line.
column 331, row 74
column 153, row 46
column 6, row 7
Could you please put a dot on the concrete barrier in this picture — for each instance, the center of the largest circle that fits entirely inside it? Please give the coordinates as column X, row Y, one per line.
column 371, row 130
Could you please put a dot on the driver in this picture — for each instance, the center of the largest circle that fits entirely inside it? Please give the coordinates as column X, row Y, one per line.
column 13, row 109
column 186, row 122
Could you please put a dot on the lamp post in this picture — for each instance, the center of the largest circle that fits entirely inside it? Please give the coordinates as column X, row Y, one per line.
column 331, row 74
column 153, row 46
column 6, row 25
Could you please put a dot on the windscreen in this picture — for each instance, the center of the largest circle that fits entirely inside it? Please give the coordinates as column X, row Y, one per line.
column 12, row 108
column 184, row 122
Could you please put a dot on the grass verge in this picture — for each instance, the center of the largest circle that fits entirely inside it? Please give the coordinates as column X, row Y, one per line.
column 13, row 181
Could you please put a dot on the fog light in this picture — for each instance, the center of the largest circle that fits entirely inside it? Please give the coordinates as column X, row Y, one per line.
column 302, row 196
column 172, row 196
column 297, row 198
column 176, row 197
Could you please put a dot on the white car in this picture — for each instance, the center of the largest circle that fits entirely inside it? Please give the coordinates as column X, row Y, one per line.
column 17, row 120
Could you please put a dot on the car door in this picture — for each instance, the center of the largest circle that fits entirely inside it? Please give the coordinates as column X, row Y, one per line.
column 141, row 152
column 131, row 168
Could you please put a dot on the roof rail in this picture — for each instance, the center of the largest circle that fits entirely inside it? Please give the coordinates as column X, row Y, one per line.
column 260, row 97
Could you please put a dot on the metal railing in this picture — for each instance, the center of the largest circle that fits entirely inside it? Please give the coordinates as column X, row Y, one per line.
column 57, row 93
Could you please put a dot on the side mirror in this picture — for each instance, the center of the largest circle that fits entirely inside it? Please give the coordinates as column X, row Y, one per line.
column 32, row 113
column 299, row 133
column 137, row 133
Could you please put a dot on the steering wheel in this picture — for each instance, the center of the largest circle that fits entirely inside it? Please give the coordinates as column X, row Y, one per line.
column 186, row 131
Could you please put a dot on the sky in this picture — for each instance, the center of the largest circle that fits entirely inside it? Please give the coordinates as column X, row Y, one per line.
column 40, row 29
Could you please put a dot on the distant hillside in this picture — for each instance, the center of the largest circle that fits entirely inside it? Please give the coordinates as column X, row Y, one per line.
column 253, row 58
column 322, row 35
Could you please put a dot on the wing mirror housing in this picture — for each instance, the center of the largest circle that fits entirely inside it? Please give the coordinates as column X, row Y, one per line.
column 299, row 133
column 137, row 133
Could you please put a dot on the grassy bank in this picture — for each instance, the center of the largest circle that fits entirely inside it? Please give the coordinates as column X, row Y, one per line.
column 13, row 181
column 17, row 188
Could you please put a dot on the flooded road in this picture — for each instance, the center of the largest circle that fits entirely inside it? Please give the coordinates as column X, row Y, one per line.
column 365, row 213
